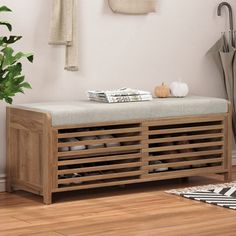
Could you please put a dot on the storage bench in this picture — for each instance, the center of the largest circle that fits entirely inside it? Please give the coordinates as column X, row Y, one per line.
column 64, row 146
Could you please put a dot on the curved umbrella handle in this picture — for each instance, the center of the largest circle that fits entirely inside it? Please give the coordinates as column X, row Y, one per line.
column 231, row 22
column 226, row 4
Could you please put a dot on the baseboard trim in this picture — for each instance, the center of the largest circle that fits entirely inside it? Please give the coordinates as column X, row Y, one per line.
column 2, row 183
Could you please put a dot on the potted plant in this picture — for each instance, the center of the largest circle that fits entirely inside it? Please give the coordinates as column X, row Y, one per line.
column 11, row 79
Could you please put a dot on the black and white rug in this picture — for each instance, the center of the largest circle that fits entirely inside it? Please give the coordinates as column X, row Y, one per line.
column 223, row 195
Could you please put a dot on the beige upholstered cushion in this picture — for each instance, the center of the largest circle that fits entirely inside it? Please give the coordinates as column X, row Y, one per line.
column 81, row 112
column 133, row 6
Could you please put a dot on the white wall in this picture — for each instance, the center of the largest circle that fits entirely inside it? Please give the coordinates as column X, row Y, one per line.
column 118, row 50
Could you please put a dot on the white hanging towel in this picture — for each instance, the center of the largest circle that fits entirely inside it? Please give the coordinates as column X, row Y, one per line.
column 63, row 30
column 132, row 6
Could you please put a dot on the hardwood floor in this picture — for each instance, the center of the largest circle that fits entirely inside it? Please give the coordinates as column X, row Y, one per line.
column 138, row 210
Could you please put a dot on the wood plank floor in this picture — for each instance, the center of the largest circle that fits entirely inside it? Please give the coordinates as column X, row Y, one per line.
column 137, row 210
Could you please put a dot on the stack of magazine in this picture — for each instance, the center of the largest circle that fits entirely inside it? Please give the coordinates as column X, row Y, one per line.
column 119, row 95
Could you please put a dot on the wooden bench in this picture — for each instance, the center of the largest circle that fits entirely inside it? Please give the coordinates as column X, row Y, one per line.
column 135, row 143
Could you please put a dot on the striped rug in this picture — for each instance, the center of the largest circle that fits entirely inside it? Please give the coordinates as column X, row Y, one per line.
column 223, row 195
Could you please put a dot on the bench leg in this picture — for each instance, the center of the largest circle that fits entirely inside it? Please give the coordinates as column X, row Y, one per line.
column 47, row 198
column 228, row 177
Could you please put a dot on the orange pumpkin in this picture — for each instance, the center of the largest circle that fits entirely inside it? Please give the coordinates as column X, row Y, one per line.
column 162, row 91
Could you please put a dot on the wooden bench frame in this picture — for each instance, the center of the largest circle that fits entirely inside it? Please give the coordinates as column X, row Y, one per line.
column 33, row 158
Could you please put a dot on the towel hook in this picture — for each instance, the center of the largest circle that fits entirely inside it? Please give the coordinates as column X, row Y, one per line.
column 226, row 4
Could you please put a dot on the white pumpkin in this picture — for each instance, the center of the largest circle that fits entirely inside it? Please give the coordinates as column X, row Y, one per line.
column 179, row 89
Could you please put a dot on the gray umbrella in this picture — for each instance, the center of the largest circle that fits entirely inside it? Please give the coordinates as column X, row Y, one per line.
column 224, row 52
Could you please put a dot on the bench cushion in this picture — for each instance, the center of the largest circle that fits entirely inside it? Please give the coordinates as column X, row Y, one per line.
column 82, row 112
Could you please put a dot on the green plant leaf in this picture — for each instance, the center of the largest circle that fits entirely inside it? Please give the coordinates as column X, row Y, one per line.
column 1, row 41
column 1, row 59
column 8, row 56
column 26, row 85
column 13, row 72
column 2, row 75
column 4, row 9
column 7, row 24
column 12, row 81
column 10, row 59
column 20, row 55
column 4, row 41
column 20, row 79
column 8, row 100
column 11, row 39
column 30, row 57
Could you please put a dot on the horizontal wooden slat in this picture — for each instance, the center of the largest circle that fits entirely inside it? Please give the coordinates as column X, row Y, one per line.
column 184, row 163
column 99, row 159
column 185, row 120
column 98, row 185
column 100, row 177
column 100, row 132
column 119, row 152
column 185, row 173
column 101, row 124
column 149, row 177
column 100, row 168
column 99, row 141
column 184, row 138
column 184, row 146
column 187, row 129
column 99, row 150
column 186, row 155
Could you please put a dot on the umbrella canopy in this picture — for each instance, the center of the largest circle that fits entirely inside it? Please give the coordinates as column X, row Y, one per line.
column 224, row 54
